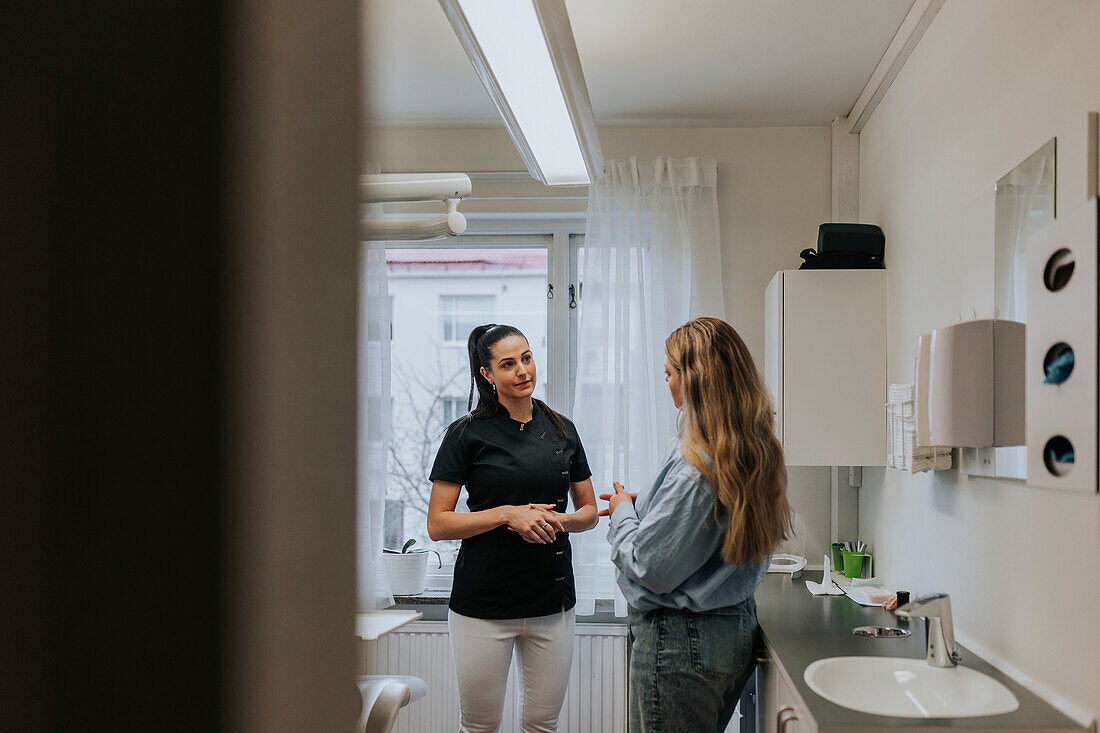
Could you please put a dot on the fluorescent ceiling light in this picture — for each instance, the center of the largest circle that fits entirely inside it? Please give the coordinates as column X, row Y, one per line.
column 525, row 54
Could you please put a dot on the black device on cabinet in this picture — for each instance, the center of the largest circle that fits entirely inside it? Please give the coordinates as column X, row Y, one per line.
column 843, row 246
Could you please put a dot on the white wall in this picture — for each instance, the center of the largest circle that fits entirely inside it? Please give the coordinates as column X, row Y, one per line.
column 989, row 83
column 773, row 191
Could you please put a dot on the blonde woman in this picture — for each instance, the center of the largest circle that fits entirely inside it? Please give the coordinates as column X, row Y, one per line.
column 691, row 551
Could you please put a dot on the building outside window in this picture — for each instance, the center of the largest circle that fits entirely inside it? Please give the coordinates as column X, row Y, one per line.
column 438, row 296
column 460, row 314
column 453, row 408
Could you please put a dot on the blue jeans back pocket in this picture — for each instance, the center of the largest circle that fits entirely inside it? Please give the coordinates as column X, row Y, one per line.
column 721, row 640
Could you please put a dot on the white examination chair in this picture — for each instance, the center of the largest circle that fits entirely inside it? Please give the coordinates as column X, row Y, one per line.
column 383, row 696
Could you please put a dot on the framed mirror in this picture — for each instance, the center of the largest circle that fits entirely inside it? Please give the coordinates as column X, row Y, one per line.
column 1025, row 202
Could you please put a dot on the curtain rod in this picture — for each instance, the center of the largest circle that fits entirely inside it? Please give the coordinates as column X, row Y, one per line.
column 471, row 174
column 497, row 176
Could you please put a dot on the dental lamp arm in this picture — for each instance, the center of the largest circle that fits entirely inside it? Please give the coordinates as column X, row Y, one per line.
column 389, row 187
column 451, row 224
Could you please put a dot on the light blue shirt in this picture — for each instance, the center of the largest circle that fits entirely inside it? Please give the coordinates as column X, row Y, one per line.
column 667, row 546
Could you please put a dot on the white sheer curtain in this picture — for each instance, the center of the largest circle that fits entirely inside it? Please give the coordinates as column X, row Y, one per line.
column 652, row 262
column 374, row 423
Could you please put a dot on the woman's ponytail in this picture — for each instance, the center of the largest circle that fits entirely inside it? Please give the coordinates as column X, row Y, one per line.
column 487, row 403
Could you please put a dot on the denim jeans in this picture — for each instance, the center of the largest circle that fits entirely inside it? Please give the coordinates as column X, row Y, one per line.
column 687, row 669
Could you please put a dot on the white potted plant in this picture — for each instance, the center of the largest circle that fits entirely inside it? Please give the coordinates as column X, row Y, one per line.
column 406, row 569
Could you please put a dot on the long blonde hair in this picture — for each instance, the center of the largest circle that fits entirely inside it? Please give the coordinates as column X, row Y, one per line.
column 727, row 432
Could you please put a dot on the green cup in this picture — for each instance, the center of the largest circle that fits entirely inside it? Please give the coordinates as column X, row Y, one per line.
column 853, row 563
column 838, row 558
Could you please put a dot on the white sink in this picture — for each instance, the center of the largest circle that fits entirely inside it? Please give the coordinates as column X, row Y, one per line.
column 907, row 688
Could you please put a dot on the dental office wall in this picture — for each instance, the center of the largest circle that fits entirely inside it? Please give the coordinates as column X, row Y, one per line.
column 989, row 83
column 773, row 192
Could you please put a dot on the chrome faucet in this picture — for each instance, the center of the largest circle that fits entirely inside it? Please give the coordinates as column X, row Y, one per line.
column 936, row 609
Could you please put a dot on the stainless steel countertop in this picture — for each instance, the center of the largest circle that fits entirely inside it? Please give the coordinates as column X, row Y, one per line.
column 801, row 628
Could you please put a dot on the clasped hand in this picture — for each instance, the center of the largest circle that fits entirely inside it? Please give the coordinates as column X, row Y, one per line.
column 536, row 523
column 615, row 499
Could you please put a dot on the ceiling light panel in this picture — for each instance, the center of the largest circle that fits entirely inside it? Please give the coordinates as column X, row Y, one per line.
column 524, row 73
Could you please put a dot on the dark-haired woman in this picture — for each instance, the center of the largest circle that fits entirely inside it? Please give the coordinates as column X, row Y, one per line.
column 513, row 581
column 691, row 551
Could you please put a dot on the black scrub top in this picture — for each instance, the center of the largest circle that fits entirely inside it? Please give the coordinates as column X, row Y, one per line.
column 499, row 575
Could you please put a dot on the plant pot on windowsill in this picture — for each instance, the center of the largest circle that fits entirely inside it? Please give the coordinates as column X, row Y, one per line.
column 406, row 569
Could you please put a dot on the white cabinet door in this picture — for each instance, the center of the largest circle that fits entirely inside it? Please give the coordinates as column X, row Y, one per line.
column 773, row 338
column 780, row 708
column 825, row 362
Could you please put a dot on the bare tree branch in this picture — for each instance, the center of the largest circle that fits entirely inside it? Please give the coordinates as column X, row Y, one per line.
column 417, row 426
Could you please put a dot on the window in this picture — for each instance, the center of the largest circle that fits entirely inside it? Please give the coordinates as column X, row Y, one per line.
column 453, row 407
column 461, row 313
column 439, row 294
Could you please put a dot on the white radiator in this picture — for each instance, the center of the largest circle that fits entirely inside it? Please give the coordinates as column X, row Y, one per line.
column 595, row 702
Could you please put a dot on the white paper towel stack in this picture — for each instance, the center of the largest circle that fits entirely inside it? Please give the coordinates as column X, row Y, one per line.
column 901, row 424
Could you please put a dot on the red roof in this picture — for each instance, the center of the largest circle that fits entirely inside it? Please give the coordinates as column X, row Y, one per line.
column 412, row 260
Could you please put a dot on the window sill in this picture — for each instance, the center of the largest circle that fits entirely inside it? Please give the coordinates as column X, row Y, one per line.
column 427, row 598
column 433, row 605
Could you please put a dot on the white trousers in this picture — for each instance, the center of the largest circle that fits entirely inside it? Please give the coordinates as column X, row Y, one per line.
column 483, row 649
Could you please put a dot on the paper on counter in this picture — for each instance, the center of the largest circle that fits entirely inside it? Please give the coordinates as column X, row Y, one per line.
column 826, row 587
column 868, row 594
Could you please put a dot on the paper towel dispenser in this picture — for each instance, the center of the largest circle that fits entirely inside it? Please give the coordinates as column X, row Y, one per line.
column 920, row 389
column 975, row 379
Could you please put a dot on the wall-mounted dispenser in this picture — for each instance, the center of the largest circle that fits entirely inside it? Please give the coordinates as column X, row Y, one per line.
column 1061, row 352
column 975, row 378
column 920, row 389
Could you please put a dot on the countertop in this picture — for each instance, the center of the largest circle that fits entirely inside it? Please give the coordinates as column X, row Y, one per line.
column 369, row 625
column 801, row 628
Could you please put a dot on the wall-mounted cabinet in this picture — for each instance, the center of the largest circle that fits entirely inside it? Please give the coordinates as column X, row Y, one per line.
column 825, row 365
